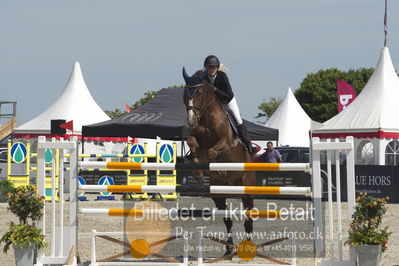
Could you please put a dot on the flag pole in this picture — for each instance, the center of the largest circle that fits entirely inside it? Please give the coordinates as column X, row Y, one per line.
column 385, row 23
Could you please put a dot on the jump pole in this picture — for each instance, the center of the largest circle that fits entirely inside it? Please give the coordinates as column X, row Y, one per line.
column 199, row 166
column 205, row 213
column 236, row 190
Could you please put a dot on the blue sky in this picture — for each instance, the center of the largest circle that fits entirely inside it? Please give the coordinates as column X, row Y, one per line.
column 128, row 47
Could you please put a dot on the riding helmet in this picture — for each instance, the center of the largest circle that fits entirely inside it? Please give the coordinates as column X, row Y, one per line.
column 211, row 60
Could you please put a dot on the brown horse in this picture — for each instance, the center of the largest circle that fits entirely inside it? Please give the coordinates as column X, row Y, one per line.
column 212, row 140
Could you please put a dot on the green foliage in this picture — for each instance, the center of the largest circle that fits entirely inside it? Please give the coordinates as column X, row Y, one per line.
column 6, row 186
column 318, row 91
column 115, row 113
column 268, row 108
column 366, row 221
column 22, row 235
column 25, row 203
column 147, row 96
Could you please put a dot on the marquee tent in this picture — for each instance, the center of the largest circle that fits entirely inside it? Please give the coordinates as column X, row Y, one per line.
column 372, row 118
column 164, row 116
column 292, row 122
column 74, row 103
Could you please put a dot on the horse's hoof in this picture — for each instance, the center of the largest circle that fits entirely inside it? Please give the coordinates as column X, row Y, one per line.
column 212, row 155
column 228, row 252
column 198, row 176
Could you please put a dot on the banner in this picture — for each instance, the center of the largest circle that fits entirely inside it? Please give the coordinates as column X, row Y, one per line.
column 377, row 180
column 346, row 94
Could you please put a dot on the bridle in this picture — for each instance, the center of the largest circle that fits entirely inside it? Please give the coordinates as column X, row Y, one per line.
column 198, row 111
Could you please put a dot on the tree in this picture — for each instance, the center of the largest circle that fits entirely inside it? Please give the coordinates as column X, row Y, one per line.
column 268, row 108
column 115, row 113
column 317, row 93
column 147, row 96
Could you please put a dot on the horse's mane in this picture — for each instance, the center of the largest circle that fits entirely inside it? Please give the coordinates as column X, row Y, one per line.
column 198, row 72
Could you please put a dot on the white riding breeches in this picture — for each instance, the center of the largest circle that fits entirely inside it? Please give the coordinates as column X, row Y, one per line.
column 232, row 106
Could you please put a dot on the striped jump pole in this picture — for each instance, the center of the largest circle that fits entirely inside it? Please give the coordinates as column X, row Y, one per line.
column 199, row 166
column 270, row 214
column 240, row 190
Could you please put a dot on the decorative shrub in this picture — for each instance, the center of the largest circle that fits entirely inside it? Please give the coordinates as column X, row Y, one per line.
column 25, row 204
column 365, row 227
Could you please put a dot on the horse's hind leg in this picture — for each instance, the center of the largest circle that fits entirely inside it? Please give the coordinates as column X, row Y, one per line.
column 248, row 202
column 220, row 203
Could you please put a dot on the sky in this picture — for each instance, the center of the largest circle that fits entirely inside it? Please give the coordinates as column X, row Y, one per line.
column 126, row 48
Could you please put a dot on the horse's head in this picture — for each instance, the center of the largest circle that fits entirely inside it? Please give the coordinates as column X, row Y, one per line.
column 197, row 95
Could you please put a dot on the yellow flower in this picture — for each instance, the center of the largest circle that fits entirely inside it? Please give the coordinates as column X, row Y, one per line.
column 374, row 203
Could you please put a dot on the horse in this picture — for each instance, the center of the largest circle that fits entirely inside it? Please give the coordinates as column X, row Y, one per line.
column 212, row 139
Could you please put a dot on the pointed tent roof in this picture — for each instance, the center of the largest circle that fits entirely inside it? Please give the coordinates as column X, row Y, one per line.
column 74, row 103
column 374, row 113
column 291, row 121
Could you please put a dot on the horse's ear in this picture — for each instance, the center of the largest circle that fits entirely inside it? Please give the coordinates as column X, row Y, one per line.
column 203, row 74
column 185, row 76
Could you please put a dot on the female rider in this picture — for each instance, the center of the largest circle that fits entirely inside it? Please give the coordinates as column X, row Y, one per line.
column 221, row 85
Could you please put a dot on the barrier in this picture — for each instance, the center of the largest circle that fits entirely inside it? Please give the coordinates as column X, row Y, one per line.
column 206, row 213
column 19, row 153
column 200, row 166
column 58, row 256
column 255, row 190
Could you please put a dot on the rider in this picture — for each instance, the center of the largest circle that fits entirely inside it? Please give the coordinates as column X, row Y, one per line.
column 224, row 93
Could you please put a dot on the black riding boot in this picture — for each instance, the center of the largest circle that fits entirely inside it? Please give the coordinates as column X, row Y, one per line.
column 245, row 137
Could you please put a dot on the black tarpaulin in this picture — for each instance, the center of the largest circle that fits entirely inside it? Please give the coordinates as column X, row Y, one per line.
column 164, row 116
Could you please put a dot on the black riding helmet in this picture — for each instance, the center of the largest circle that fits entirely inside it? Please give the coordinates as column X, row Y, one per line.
column 211, row 60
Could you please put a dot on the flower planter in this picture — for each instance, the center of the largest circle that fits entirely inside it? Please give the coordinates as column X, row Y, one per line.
column 24, row 256
column 369, row 255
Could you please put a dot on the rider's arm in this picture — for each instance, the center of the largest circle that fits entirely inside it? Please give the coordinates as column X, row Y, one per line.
column 222, row 87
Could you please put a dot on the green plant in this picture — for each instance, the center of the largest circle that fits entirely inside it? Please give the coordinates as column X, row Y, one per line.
column 23, row 235
column 366, row 222
column 25, row 204
column 6, row 186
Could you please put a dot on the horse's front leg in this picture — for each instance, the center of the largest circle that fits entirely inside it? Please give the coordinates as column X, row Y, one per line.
column 216, row 150
column 193, row 145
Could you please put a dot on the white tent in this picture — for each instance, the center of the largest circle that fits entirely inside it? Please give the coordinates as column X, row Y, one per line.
column 372, row 118
column 292, row 122
column 74, row 103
